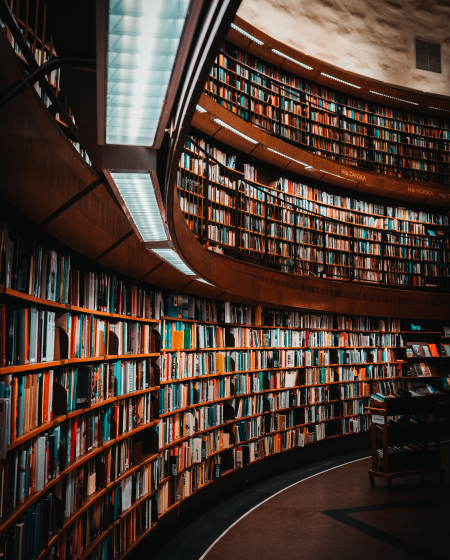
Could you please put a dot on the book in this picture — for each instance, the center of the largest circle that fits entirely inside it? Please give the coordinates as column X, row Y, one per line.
column 425, row 369
column 409, row 352
column 433, row 350
column 417, row 351
column 426, row 351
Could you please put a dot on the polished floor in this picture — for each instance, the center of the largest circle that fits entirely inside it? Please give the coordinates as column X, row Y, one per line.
column 337, row 515
column 325, row 511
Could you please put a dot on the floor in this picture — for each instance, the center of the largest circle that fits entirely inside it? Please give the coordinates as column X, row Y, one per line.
column 326, row 511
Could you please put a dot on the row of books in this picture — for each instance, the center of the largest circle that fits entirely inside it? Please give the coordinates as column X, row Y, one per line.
column 187, row 483
column 29, row 336
column 30, row 535
column 310, row 199
column 422, row 350
column 178, row 366
column 188, row 423
column 226, row 86
column 175, row 396
column 183, row 336
column 319, row 95
column 194, row 450
column 314, row 376
column 129, row 529
column 28, row 268
column 199, row 309
column 26, row 471
column 30, row 467
column 90, row 384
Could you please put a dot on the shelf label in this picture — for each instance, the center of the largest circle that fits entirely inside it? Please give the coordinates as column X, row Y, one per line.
column 354, row 175
column 377, row 419
column 428, row 192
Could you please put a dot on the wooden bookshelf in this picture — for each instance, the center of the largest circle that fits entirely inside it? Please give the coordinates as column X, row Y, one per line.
column 305, row 230
column 390, row 457
column 354, row 131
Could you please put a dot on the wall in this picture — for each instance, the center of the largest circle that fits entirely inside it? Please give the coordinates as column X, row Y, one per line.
column 374, row 38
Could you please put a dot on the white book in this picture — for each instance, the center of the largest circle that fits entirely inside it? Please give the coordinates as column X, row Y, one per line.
column 33, row 335
column 40, row 464
column 197, row 450
column 190, row 424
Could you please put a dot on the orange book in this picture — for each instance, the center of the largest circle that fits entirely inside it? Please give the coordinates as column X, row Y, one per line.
column 177, row 340
column 433, row 350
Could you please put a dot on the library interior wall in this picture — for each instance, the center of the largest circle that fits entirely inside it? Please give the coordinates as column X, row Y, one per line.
column 373, row 38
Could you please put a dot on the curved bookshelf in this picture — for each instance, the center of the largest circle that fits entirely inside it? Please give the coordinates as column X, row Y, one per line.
column 306, row 230
column 329, row 123
column 145, row 457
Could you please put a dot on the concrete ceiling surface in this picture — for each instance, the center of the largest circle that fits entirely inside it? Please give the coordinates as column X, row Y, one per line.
column 374, row 38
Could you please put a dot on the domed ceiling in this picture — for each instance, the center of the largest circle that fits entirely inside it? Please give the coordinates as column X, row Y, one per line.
column 373, row 38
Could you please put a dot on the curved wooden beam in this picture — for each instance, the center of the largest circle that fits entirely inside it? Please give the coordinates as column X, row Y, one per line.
column 302, row 292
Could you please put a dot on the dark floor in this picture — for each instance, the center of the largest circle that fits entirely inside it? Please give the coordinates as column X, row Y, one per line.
column 335, row 515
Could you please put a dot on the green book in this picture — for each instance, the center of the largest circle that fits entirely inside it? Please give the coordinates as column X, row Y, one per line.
column 187, row 338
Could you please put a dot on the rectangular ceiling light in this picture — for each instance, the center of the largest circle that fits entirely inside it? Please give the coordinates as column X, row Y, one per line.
column 143, row 40
column 173, row 258
column 138, row 193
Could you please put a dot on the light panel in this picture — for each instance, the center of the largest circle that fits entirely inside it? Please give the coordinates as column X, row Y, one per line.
column 292, row 59
column 173, row 258
column 338, row 80
column 225, row 125
column 143, row 41
column 396, row 98
column 254, row 39
column 288, row 157
column 138, row 193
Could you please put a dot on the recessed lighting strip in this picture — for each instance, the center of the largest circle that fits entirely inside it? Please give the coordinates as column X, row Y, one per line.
column 338, row 80
column 225, row 125
column 292, row 59
column 200, row 109
column 288, row 157
column 143, row 39
column 174, row 259
column 334, row 175
column 247, row 34
column 439, row 109
column 138, row 194
column 396, row 98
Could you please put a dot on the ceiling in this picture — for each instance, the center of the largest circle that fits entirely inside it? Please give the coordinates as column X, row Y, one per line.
column 373, row 38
